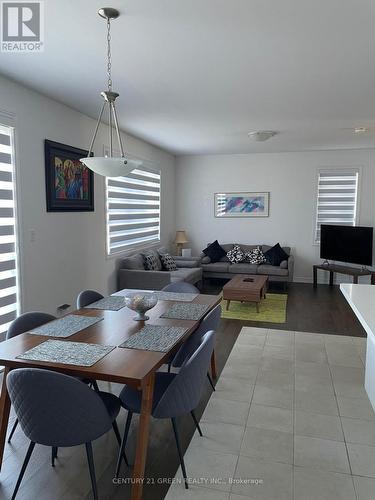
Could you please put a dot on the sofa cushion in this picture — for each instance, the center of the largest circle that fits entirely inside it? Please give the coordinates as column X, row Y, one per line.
column 248, row 248
column 227, row 247
column 205, row 259
column 152, row 260
column 236, row 255
column 168, row 262
column 214, row 251
column 284, row 264
column 133, row 262
column 255, row 256
column 186, row 274
column 216, row 267
column 243, row 268
column 275, row 255
column 268, row 247
column 272, row 270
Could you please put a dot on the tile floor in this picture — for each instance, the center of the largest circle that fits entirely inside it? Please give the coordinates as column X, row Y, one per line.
column 290, row 420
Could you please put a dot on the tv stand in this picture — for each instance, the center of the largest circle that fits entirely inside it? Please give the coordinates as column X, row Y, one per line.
column 335, row 268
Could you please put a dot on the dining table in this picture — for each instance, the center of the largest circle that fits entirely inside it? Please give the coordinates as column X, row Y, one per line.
column 133, row 367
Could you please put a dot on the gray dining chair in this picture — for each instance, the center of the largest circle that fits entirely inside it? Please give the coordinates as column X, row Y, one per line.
column 209, row 322
column 180, row 287
column 57, row 410
column 87, row 297
column 25, row 323
column 175, row 394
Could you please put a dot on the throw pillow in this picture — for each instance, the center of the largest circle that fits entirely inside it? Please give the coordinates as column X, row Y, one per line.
column 255, row 256
column 236, row 255
column 169, row 264
column 151, row 262
column 214, row 251
column 276, row 255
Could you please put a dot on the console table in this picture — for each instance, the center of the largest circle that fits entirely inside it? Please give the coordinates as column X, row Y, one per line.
column 334, row 268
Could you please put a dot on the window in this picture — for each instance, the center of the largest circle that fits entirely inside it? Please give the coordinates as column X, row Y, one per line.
column 133, row 210
column 9, row 297
column 337, row 198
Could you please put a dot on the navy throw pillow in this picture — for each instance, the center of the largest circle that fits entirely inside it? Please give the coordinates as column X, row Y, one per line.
column 275, row 255
column 214, row 251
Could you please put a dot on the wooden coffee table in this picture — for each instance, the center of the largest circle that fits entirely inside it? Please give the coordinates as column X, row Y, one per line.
column 246, row 288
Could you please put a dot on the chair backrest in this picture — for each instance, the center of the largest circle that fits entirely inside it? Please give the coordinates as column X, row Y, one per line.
column 87, row 297
column 54, row 409
column 209, row 322
column 184, row 392
column 27, row 321
column 180, row 287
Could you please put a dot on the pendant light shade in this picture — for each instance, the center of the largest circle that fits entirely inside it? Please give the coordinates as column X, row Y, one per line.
column 109, row 166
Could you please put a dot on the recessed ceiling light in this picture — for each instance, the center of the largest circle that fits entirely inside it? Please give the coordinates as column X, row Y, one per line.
column 360, row 130
column 261, row 135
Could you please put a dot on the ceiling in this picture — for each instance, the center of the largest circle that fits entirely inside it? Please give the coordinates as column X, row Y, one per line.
column 195, row 76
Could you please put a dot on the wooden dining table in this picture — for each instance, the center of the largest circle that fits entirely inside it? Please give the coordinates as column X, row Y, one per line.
column 132, row 367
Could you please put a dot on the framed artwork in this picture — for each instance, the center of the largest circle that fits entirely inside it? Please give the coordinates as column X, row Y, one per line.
column 69, row 183
column 242, row 204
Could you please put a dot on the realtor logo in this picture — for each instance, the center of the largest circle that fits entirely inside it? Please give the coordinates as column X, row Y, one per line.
column 22, row 26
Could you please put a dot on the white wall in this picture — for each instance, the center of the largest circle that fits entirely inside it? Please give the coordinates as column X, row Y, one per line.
column 68, row 253
column 291, row 179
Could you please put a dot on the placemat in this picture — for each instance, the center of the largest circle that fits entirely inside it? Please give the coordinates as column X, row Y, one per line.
column 66, row 326
column 114, row 303
column 155, row 338
column 177, row 296
column 67, row 353
column 185, row 311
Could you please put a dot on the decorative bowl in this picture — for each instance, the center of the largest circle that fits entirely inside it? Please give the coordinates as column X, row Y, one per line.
column 141, row 302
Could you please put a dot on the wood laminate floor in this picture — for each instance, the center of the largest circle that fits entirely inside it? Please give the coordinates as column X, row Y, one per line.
column 323, row 310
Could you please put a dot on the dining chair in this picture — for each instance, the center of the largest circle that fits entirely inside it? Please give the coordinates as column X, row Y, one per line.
column 57, row 410
column 209, row 322
column 25, row 323
column 87, row 297
column 180, row 287
column 175, row 394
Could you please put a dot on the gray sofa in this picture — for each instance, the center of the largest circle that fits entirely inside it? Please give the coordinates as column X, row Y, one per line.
column 225, row 269
column 132, row 273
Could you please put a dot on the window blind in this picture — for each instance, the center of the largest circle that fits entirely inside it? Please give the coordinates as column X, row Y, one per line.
column 8, row 256
column 337, row 198
column 133, row 210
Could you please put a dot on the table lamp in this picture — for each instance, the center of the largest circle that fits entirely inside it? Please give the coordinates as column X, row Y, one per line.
column 180, row 240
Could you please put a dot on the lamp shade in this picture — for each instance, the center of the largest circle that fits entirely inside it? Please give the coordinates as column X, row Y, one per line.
column 180, row 238
column 111, row 167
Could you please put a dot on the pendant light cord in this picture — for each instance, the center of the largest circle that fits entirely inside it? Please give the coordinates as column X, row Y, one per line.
column 109, row 55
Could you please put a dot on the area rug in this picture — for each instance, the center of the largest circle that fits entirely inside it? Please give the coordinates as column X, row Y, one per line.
column 271, row 310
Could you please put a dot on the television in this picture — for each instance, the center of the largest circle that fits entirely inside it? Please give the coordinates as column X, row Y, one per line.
column 351, row 244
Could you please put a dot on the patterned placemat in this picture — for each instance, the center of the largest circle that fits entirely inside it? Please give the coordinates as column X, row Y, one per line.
column 66, row 326
column 177, row 296
column 185, row 311
column 155, row 338
column 114, row 303
column 67, row 353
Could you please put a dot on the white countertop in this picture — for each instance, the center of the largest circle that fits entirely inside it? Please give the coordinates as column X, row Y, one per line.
column 362, row 300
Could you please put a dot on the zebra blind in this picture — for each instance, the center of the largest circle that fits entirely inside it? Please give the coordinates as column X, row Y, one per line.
column 9, row 303
column 133, row 210
column 337, row 198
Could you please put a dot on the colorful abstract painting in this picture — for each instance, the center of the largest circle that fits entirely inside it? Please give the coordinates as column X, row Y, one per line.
column 242, row 204
column 69, row 183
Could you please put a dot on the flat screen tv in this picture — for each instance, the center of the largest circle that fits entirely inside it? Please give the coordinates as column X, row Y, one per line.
column 346, row 244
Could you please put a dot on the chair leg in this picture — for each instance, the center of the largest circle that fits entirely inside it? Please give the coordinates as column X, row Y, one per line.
column 23, row 468
column 210, row 380
column 90, row 460
column 196, row 423
column 123, row 442
column 179, row 451
column 54, row 455
column 118, row 438
column 13, row 429
column 95, row 386
column 169, row 367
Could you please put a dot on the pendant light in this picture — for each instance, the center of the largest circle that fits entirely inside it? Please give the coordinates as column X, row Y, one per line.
column 109, row 166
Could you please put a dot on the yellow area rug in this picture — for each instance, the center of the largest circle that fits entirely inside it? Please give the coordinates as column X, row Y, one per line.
column 272, row 309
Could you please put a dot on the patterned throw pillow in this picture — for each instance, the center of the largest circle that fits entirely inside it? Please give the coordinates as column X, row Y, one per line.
column 255, row 256
column 151, row 263
column 236, row 255
column 169, row 264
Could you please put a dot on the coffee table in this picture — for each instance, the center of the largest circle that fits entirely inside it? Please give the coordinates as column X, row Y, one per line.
column 246, row 288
